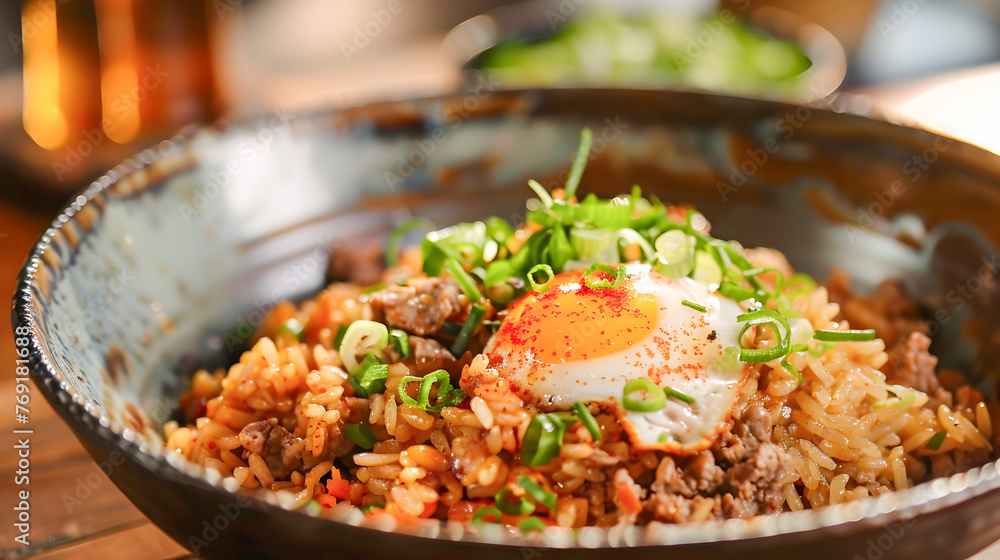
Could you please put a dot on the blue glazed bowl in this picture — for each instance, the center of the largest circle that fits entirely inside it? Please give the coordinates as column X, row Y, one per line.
column 172, row 259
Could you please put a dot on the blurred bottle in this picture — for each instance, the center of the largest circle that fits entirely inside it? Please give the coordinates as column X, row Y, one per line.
column 102, row 72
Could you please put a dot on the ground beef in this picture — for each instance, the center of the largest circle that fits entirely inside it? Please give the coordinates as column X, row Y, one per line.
column 744, row 475
column 428, row 355
column 280, row 449
column 421, row 307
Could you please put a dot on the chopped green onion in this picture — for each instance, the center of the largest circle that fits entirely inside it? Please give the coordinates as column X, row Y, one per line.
column 779, row 277
column 446, row 395
column 671, row 392
column 821, row 349
column 372, row 289
column 468, row 327
column 542, row 440
column 664, row 438
column 520, row 507
column 547, row 499
column 400, row 341
column 487, row 511
column 540, row 191
column 338, row 341
column 579, row 162
column 706, row 270
column 617, row 276
column 464, row 281
column 530, row 524
column 696, row 306
column 588, row 420
column 311, row 507
column 675, row 257
column 498, row 230
column 936, row 440
column 848, row 335
column 361, row 435
column 773, row 320
column 373, row 376
column 375, row 504
column 729, row 360
column 463, row 242
column 736, row 292
column 544, row 286
column 658, row 401
column 396, row 237
column 794, row 371
column 560, row 250
column 903, row 397
column 594, row 243
column 362, row 337
column 292, row 327
column 801, row 331
column 632, row 236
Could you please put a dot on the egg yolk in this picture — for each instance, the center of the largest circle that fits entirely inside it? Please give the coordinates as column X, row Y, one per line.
column 570, row 322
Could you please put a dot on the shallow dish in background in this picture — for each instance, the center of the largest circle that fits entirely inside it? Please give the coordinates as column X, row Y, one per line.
column 474, row 44
column 210, row 230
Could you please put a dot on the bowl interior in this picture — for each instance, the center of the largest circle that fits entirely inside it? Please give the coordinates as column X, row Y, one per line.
column 172, row 260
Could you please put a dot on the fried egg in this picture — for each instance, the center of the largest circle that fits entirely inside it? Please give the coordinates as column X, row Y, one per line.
column 573, row 343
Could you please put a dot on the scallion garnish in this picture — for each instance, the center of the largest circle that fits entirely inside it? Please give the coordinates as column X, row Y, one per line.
column 373, row 375
column 853, row 335
column 400, row 341
column 520, row 507
column 530, row 524
column 547, row 499
column 671, row 392
column 338, row 340
column 488, row 511
column 773, row 320
column 936, row 440
column 696, row 306
column 794, row 371
column 549, row 275
column 446, row 394
column 542, row 439
column 464, row 281
column 591, row 276
column 375, row 504
column 292, row 327
column 361, row 435
column 654, row 399
column 675, row 254
column 396, row 237
column 579, row 162
column 580, row 409
column 468, row 327
column 362, row 336
column 543, row 194
column 736, row 292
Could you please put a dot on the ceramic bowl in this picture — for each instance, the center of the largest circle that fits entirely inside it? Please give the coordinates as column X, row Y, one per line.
column 170, row 260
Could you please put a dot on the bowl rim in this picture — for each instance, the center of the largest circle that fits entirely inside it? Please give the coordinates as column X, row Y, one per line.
column 924, row 498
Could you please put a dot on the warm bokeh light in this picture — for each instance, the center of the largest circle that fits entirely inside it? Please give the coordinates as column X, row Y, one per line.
column 43, row 116
column 119, row 78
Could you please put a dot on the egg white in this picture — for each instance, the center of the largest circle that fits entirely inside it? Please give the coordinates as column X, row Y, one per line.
column 682, row 351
